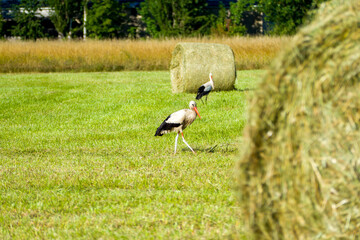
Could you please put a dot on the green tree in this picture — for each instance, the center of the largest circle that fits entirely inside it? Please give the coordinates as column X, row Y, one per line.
column 286, row 16
column 221, row 22
column 175, row 18
column 28, row 23
column 107, row 19
column 237, row 14
column 65, row 12
column 1, row 25
column 230, row 21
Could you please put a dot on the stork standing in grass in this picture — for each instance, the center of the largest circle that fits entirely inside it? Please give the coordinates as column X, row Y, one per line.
column 205, row 89
column 177, row 122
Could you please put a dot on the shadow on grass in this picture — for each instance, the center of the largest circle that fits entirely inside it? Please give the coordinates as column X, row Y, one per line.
column 244, row 89
column 222, row 148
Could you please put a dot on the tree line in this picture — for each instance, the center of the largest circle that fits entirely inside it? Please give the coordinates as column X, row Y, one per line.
column 112, row 19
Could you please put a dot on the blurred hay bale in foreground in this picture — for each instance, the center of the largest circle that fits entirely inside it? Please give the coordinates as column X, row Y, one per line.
column 191, row 64
column 299, row 176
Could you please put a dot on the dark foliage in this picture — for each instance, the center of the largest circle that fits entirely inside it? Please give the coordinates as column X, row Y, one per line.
column 176, row 18
column 28, row 21
column 108, row 19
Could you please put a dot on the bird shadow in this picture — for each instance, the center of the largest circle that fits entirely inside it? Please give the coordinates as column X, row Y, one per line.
column 214, row 149
column 244, row 89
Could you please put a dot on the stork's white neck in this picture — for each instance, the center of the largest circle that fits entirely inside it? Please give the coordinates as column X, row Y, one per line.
column 212, row 82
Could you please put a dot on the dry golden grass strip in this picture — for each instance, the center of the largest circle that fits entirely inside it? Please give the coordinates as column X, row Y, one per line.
column 152, row 54
column 299, row 177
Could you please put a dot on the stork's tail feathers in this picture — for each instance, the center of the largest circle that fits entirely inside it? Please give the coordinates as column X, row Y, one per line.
column 200, row 92
column 166, row 127
column 198, row 96
column 158, row 133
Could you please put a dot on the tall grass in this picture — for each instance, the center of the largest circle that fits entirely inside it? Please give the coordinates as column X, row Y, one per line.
column 115, row 55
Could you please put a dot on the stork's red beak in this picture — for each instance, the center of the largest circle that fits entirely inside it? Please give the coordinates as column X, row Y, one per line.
column 197, row 112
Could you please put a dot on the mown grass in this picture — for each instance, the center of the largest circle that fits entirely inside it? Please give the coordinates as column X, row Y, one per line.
column 115, row 55
column 79, row 159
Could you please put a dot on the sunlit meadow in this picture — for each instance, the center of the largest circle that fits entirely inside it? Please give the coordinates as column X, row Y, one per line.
column 79, row 159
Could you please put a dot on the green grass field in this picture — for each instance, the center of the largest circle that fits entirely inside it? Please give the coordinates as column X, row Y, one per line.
column 79, row 160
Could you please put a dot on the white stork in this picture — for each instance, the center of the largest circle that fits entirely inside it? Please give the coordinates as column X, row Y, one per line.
column 205, row 89
column 177, row 122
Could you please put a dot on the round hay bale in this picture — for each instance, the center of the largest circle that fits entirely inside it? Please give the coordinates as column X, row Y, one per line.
column 191, row 64
column 299, row 175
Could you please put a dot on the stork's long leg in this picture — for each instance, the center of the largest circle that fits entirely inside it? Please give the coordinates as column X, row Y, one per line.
column 182, row 134
column 176, row 138
column 206, row 99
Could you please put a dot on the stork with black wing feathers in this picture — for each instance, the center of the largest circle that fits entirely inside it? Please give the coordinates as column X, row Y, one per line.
column 205, row 89
column 177, row 122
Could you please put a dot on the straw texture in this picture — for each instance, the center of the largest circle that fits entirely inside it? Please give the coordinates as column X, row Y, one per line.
column 299, row 174
column 191, row 64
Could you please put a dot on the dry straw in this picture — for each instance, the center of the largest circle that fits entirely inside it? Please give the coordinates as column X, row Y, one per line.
column 299, row 176
column 115, row 55
column 191, row 64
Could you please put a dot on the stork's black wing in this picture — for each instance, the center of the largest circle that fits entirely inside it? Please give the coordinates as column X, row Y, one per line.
column 166, row 126
column 200, row 92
